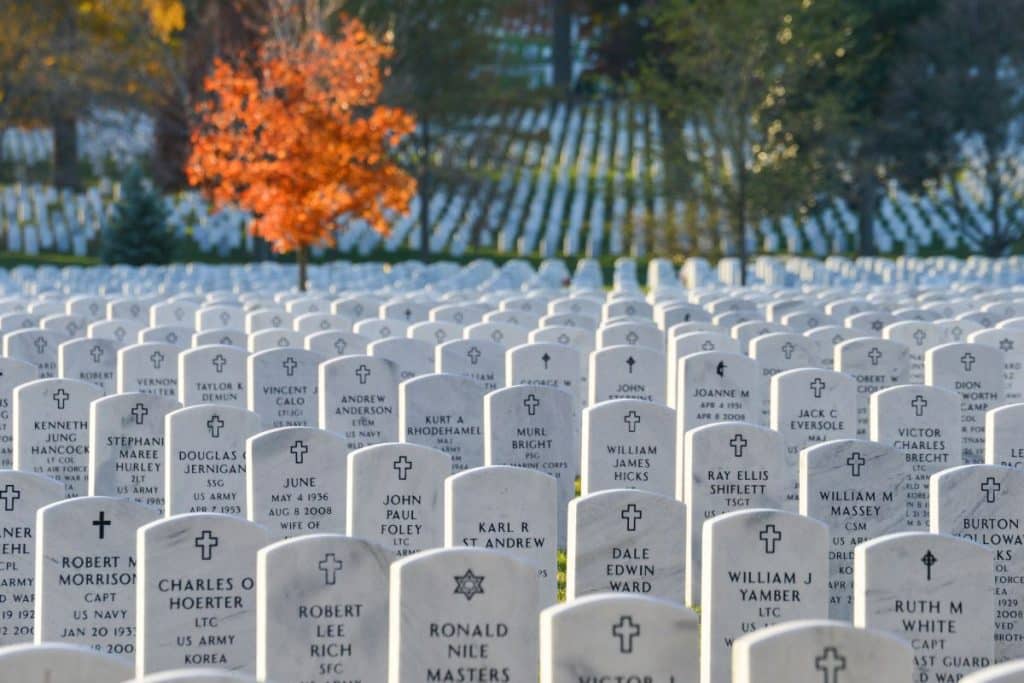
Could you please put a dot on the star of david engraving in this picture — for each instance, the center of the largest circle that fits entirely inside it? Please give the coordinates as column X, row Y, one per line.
column 469, row 585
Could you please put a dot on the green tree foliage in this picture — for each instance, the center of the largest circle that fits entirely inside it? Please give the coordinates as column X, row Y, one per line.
column 137, row 233
column 448, row 67
column 727, row 71
column 954, row 112
column 860, row 154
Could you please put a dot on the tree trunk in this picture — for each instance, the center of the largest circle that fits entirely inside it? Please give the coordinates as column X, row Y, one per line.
column 301, row 257
column 865, row 206
column 170, row 147
column 65, row 152
column 741, row 223
column 561, row 44
column 741, row 242
column 426, row 192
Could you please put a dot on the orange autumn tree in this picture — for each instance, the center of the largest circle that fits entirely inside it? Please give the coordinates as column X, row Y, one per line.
column 298, row 139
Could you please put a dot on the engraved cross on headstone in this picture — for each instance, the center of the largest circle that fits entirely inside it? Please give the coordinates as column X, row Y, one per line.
column 990, row 487
column 402, row 465
column 102, row 523
column 219, row 361
column 363, row 372
column 206, row 542
column 139, row 412
column 831, row 663
column 330, row 566
column 770, row 535
column 60, row 397
column 929, row 560
column 8, row 496
column 531, row 404
column 919, row 404
column 626, row 631
column 631, row 513
column 817, row 386
column 856, row 461
column 968, row 360
column 299, row 450
column 215, row 424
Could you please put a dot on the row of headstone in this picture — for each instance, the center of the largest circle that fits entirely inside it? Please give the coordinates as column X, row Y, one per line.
column 204, row 590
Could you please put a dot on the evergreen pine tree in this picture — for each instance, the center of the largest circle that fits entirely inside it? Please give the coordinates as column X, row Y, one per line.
column 137, row 231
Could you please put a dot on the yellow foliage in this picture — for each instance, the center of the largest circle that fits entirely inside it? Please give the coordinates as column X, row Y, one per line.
column 166, row 16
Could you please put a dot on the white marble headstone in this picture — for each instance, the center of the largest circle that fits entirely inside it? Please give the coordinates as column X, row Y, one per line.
column 60, row 663
column 921, row 423
column 205, row 461
column 461, row 612
column 819, row 651
column 982, row 503
column 212, row 374
column 628, row 443
column 86, row 572
column 760, row 568
column 295, row 481
column 197, row 593
column 51, row 430
column 444, row 412
column 857, row 488
column 618, row 638
column 358, row 400
column 126, row 447
column 511, row 509
column 934, row 591
column 322, row 610
column 21, row 495
column 396, row 496
column 626, row 541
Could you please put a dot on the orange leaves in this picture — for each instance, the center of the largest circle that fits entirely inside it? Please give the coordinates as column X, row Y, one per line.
column 300, row 141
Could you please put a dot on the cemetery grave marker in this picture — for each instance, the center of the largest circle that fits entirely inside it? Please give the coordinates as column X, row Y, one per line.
column 618, row 637
column 626, row 541
column 395, row 496
column 628, row 444
column 358, row 400
column 444, row 412
column 760, row 567
column 197, row 593
column 322, row 610
column 205, row 461
column 975, row 371
column 813, row 651
column 295, row 481
column 86, row 572
column 51, row 430
column 857, row 488
column 126, row 447
column 21, row 495
column 451, row 617
column 511, row 509
column 934, row 591
column 981, row 503
column 282, row 387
